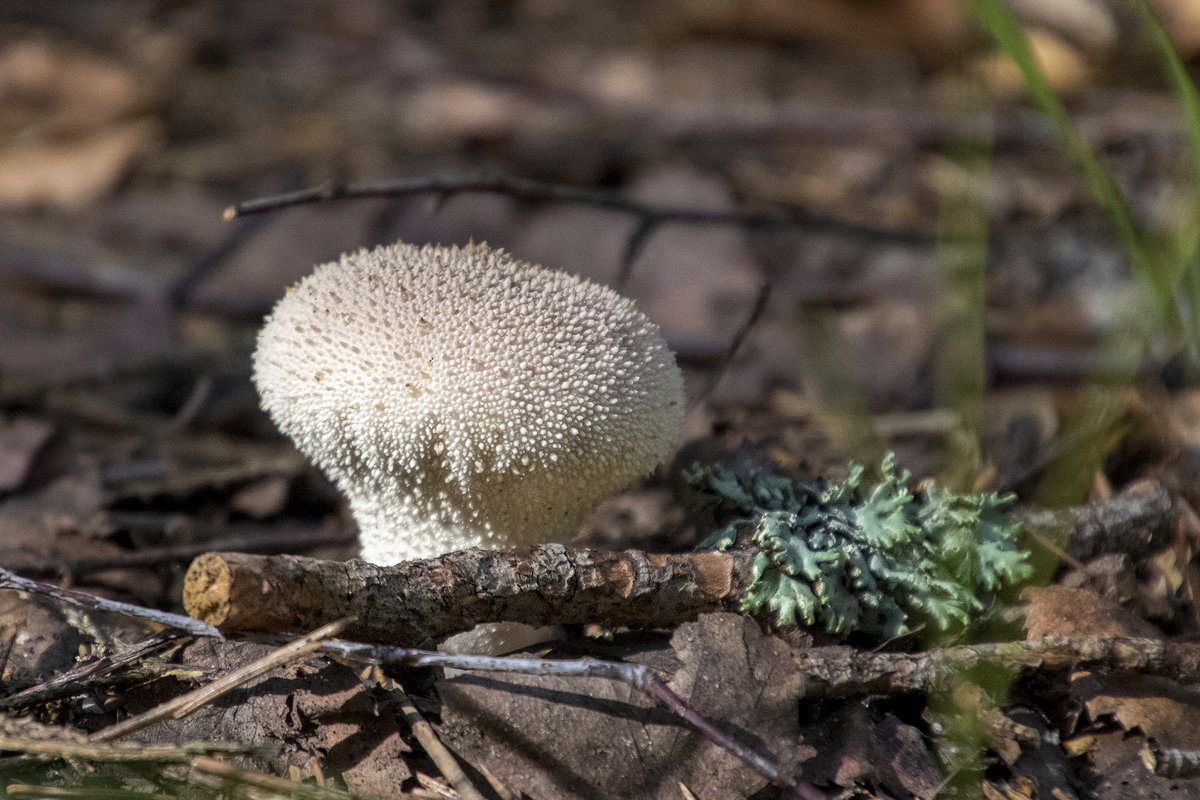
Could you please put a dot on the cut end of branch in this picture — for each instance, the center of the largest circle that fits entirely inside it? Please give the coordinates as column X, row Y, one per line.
column 207, row 588
column 230, row 213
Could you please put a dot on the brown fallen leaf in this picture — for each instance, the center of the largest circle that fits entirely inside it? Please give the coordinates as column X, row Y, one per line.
column 1159, row 707
column 262, row 498
column 36, row 639
column 332, row 723
column 57, row 88
column 71, row 174
column 53, row 522
column 557, row 738
column 905, row 766
column 1062, row 63
column 854, row 750
column 1063, row 611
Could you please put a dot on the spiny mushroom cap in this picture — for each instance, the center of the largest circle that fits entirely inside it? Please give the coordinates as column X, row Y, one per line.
column 461, row 398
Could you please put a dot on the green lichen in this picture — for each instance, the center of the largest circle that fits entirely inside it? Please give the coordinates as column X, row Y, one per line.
column 850, row 556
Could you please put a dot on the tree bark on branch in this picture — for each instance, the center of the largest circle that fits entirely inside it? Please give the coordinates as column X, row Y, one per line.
column 421, row 602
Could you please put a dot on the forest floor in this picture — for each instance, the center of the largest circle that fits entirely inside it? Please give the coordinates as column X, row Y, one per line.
column 902, row 253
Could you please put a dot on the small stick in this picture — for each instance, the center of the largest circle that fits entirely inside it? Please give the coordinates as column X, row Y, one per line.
column 1170, row 762
column 848, row 672
column 243, row 538
column 735, row 344
column 421, row 602
column 91, row 602
column 26, row 791
column 446, row 763
column 190, row 702
column 71, row 681
column 523, row 189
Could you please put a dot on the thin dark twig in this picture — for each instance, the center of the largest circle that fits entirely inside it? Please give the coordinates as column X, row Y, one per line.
column 633, row 248
column 189, row 703
column 73, row 680
column 523, row 189
column 180, row 291
column 735, row 344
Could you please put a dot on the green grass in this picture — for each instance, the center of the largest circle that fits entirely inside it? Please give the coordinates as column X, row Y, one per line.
column 1165, row 262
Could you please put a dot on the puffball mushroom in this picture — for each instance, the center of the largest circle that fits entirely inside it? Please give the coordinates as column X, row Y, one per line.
column 462, row 398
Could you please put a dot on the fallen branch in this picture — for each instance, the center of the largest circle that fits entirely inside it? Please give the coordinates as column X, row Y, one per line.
column 847, row 672
column 638, row 676
column 422, row 602
column 735, row 343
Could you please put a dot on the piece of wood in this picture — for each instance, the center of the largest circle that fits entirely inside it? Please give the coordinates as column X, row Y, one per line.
column 421, row 602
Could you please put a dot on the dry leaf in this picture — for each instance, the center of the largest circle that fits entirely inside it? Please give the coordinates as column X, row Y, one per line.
column 557, row 738
column 1159, row 707
column 1062, row 611
column 71, row 174
column 1061, row 63
column 56, row 89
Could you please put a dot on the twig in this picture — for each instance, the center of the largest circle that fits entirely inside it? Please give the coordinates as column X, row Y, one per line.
column 72, row 681
column 26, row 791
column 29, row 388
column 633, row 248
column 83, row 277
column 184, row 704
column 718, row 372
column 1170, row 762
column 91, row 602
column 435, row 788
column 446, row 763
column 158, row 477
column 846, row 672
column 180, row 290
column 523, row 189
column 422, row 602
column 639, row 676
column 1052, row 547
